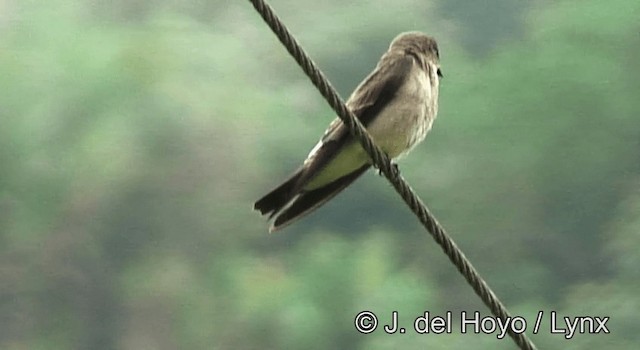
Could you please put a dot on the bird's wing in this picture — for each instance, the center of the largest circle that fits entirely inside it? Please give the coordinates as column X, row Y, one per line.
column 373, row 93
column 366, row 102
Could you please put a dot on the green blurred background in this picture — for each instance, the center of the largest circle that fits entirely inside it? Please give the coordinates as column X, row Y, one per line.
column 135, row 136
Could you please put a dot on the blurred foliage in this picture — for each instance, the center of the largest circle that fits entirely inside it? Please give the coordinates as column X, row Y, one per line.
column 135, row 135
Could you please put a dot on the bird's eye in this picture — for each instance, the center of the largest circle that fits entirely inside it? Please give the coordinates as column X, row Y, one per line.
column 439, row 72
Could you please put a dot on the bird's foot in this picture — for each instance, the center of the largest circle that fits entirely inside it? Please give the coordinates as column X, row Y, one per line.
column 395, row 168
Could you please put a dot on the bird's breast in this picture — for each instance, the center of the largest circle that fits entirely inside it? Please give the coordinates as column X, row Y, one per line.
column 405, row 121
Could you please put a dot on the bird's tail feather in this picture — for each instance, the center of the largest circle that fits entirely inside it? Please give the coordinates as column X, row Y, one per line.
column 278, row 198
column 308, row 201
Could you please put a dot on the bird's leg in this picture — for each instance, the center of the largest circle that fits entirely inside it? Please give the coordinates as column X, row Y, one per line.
column 394, row 165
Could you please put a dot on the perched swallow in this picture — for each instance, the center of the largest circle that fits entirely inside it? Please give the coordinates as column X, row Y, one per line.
column 397, row 103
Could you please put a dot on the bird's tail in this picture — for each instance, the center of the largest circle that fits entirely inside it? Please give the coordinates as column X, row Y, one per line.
column 305, row 202
column 274, row 201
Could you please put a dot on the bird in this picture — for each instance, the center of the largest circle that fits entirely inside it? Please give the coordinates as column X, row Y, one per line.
column 397, row 103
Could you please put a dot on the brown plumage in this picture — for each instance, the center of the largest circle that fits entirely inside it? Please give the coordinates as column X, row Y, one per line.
column 397, row 103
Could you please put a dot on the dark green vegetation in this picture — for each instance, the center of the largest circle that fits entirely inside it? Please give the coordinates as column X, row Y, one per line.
column 135, row 136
